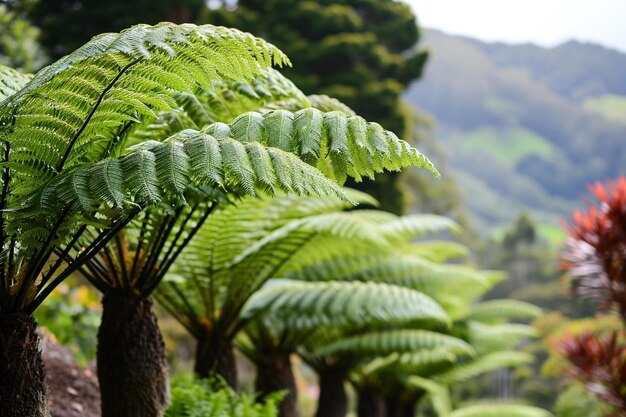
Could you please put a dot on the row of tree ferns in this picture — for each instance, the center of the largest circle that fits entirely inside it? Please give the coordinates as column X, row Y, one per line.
column 356, row 300
column 78, row 172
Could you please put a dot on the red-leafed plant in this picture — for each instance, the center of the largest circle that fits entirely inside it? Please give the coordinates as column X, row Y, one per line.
column 595, row 255
column 599, row 363
column 595, row 258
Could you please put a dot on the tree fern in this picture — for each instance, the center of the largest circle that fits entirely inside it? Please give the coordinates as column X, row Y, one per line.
column 80, row 109
column 240, row 248
column 288, row 314
column 72, row 181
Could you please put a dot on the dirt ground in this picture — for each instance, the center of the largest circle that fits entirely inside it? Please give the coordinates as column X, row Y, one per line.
column 73, row 391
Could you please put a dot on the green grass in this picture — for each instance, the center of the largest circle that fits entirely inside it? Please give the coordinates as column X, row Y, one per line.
column 611, row 106
column 507, row 144
column 553, row 233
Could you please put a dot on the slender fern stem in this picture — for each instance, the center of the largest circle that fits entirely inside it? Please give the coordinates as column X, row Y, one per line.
column 95, row 107
column 121, row 259
column 99, row 243
column 3, row 197
column 181, row 229
column 165, row 267
column 62, row 256
column 144, row 227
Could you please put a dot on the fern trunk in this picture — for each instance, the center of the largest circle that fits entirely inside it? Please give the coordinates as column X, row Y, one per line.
column 23, row 390
column 275, row 374
column 216, row 354
column 397, row 407
column 333, row 401
column 132, row 369
column 371, row 403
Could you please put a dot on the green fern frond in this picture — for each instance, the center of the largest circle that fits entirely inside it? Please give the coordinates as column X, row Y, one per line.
column 498, row 310
column 397, row 365
column 325, row 103
column 387, row 342
column 500, row 410
column 490, row 338
column 348, row 226
column 323, row 261
column 405, row 270
column 339, row 145
column 420, row 361
column 193, row 397
column 438, row 251
column 224, row 102
column 320, row 102
column 11, row 82
column 233, row 230
column 418, row 225
column 156, row 171
column 484, row 364
column 309, row 305
column 208, row 262
column 73, row 111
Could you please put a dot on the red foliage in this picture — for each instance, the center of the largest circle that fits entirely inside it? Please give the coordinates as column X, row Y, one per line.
column 595, row 254
column 599, row 363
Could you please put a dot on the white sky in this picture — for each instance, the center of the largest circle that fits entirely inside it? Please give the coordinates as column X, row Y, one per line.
column 545, row 22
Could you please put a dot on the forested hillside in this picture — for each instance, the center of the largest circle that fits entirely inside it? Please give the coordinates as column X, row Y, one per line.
column 525, row 127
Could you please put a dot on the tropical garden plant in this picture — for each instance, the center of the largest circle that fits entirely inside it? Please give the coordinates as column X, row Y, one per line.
column 130, row 266
column 287, row 314
column 75, row 174
column 241, row 247
column 595, row 260
column 289, row 324
column 405, row 353
column 393, row 369
column 194, row 397
column 307, row 239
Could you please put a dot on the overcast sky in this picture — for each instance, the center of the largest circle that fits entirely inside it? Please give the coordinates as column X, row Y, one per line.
column 545, row 22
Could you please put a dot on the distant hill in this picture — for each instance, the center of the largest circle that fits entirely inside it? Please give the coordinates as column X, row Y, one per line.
column 525, row 127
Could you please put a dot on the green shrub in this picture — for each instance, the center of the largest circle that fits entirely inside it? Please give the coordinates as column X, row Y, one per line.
column 193, row 397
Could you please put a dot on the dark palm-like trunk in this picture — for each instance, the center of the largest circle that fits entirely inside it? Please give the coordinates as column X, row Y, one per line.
column 371, row 403
column 23, row 390
column 215, row 354
column 405, row 404
column 275, row 374
column 397, row 407
column 408, row 409
column 333, row 401
column 132, row 369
